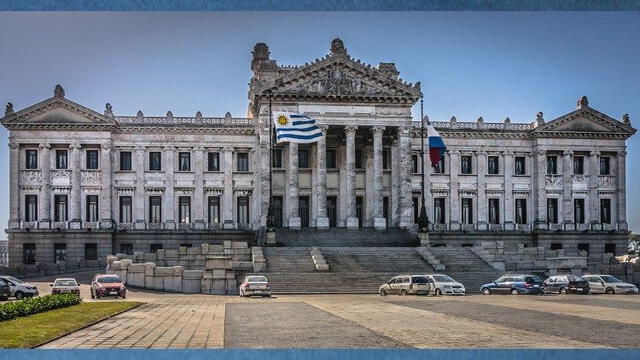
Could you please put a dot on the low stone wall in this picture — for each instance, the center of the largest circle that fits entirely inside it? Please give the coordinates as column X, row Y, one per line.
column 42, row 269
column 518, row 258
column 319, row 260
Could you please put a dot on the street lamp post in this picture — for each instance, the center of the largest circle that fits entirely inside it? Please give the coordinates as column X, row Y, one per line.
column 423, row 219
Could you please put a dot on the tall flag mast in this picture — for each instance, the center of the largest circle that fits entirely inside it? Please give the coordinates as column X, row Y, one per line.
column 423, row 219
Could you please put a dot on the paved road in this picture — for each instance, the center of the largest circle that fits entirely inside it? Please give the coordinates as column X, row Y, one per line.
column 362, row 321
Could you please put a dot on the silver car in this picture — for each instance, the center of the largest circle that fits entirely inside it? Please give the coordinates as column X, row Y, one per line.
column 255, row 285
column 406, row 285
column 607, row 284
column 19, row 288
column 445, row 285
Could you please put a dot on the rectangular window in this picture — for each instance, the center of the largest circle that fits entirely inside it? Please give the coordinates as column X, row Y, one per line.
column 494, row 211
column 439, row 168
column 583, row 247
column 465, row 164
column 125, row 209
column 578, row 211
column 213, row 161
column 438, row 210
column 521, row 211
column 416, row 209
column 31, row 208
column 604, row 166
column 359, row 160
column 552, row 211
column 493, row 165
column 29, row 254
column 578, row 165
column 276, row 160
column 609, row 248
column 60, row 208
column 126, row 249
column 184, row 161
column 243, row 161
column 243, row 209
column 91, row 159
column 520, row 162
column 605, row 211
column 552, row 165
column 153, row 248
column 303, row 158
column 31, row 159
column 184, row 209
column 332, row 159
column 61, row 159
column 467, row 211
column 155, row 209
column 415, row 161
column 155, row 161
column 59, row 252
column 214, row 209
column 556, row 246
column 125, row 160
column 386, row 159
column 91, row 208
column 91, row 251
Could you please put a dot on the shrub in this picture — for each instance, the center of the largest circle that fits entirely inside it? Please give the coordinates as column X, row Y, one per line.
column 29, row 306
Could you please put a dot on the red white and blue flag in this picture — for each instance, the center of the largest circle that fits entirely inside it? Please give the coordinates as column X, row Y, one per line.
column 436, row 145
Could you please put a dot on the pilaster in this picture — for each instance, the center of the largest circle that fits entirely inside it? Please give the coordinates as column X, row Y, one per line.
column 483, row 217
column 198, row 193
column 168, row 207
column 350, row 188
column 44, row 213
column 404, row 153
column 106, row 160
column 139, row 213
column 379, row 222
column 322, row 221
column 509, row 214
column 594, row 201
column 539, row 171
column 454, row 192
column 227, row 201
column 294, row 218
column 76, row 190
column 14, row 186
column 622, row 186
column 567, row 201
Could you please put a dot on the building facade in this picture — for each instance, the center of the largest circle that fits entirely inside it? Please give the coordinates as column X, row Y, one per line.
column 84, row 184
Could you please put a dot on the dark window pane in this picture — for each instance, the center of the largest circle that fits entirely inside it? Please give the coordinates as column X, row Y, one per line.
column 415, row 162
column 125, row 160
column 303, row 158
column 467, row 211
column 184, row 161
column 552, row 211
column 91, row 208
column 331, row 159
column 438, row 210
column 520, row 165
column 60, row 252
column 465, row 164
column 439, row 168
column 184, row 209
column 605, row 211
column 61, row 159
column 91, row 159
column 604, row 166
column 214, row 209
column 494, row 211
column 60, row 208
column 386, row 159
column 125, row 209
column 31, row 159
column 359, row 161
column 243, row 161
column 243, row 209
column 29, row 254
column 578, row 165
column 155, row 209
column 126, row 249
column 91, row 251
column 493, row 165
column 31, row 208
column 155, row 161
column 277, row 159
column 578, row 211
column 521, row 211
column 214, row 162
column 552, row 165
column 155, row 247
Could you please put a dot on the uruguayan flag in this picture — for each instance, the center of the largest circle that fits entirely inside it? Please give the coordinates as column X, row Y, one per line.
column 295, row 128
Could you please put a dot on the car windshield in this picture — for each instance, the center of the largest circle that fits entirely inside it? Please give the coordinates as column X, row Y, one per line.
column 610, row 279
column 574, row 278
column 108, row 279
column 443, row 278
column 12, row 279
column 533, row 279
column 419, row 280
column 256, row 279
column 65, row 283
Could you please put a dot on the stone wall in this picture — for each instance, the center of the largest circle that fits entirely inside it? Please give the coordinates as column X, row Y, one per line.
column 47, row 268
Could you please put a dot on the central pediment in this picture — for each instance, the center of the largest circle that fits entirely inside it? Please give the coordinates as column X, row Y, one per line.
column 585, row 120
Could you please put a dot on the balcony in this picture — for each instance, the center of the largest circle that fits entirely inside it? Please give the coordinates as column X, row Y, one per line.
column 553, row 182
column 91, row 177
column 607, row 182
column 30, row 177
column 61, row 177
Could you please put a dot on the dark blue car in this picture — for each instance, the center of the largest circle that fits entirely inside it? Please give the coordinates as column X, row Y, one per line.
column 514, row 285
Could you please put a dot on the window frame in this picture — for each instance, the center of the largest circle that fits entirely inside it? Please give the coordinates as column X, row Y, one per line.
column 27, row 159
column 466, row 159
column 89, row 199
column 496, row 165
column 186, row 155
column 27, row 203
column 152, row 218
column 122, row 156
column 213, row 161
column 305, row 158
column 153, row 161
column 91, row 155
column 520, row 160
column 59, row 155
column 242, row 157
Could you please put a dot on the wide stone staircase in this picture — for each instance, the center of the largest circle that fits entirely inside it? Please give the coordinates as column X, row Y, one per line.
column 465, row 266
column 289, row 260
column 398, row 260
column 339, row 237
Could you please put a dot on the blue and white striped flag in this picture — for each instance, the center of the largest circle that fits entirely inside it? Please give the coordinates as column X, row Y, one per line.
column 295, row 128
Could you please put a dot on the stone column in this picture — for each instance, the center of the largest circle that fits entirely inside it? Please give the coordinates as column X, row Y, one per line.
column 482, row 218
column 538, row 188
column 106, row 217
column 622, row 203
column 14, row 187
column 139, row 197
column 198, row 193
column 350, row 188
column 44, row 213
column 404, row 152
column 509, row 214
column 454, row 192
column 567, row 201
column 168, row 206
column 594, row 201
column 227, row 201
column 75, row 198
column 379, row 221
column 294, row 218
column 322, row 221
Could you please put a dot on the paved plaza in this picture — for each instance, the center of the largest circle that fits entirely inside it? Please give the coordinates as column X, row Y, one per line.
column 362, row 321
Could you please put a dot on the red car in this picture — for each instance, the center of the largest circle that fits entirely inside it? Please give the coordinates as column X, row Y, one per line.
column 107, row 285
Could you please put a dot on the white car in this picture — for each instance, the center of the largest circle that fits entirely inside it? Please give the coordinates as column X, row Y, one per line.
column 445, row 285
column 607, row 284
column 255, row 285
column 65, row 286
column 19, row 288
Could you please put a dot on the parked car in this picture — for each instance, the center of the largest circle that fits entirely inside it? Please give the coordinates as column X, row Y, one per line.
column 255, row 285
column 445, row 285
column 65, row 286
column 5, row 290
column 565, row 284
column 107, row 285
column 19, row 288
column 514, row 284
column 607, row 284
column 406, row 285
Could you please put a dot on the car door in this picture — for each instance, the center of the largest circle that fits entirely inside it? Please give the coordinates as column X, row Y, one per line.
column 506, row 285
column 393, row 286
column 404, row 285
column 549, row 284
column 596, row 284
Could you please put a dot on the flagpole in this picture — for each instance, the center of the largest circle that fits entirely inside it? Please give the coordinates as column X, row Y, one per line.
column 423, row 219
column 270, row 220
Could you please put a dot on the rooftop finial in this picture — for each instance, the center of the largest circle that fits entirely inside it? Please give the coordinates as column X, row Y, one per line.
column 9, row 109
column 583, row 102
column 198, row 115
column 337, row 47
column 108, row 110
column 540, row 118
column 260, row 51
column 58, row 91
column 625, row 119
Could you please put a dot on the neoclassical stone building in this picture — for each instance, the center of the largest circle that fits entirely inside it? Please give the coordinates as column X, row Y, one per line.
column 84, row 184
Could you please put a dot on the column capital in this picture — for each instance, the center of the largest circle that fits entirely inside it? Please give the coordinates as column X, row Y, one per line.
column 168, row 148
column 567, row 152
column 106, row 146
column 228, row 149
column 44, row 146
column 13, row 146
column 541, row 152
column 594, row 153
column 622, row 153
column 139, row 148
column 323, row 128
column 351, row 130
column 453, row 152
column 377, row 130
column 198, row 148
column 404, row 130
column 75, row 146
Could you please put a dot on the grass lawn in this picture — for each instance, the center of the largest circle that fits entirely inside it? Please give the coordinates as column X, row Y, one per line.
column 34, row 330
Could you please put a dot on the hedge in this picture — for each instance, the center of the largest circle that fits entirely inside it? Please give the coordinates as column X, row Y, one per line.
column 29, row 306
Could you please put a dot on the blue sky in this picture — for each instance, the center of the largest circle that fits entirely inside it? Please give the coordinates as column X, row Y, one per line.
column 471, row 64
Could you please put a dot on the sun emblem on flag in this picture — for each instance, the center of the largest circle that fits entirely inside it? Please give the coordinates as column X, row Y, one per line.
column 283, row 120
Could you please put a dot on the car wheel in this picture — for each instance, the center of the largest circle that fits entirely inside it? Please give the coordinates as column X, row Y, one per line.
column 486, row 291
column 563, row 291
column 403, row 292
column 383, row 292
column 438, row 292
column 610, row 291
column 19, row 295
column 514, row 292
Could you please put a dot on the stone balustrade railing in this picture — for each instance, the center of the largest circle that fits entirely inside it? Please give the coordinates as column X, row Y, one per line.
column 476, row 125
column 205, row 121
column 319, row 260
